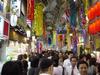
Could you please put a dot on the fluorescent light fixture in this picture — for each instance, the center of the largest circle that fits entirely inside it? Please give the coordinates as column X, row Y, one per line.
column 74, row 0
column 28, row 33
column 71, row 34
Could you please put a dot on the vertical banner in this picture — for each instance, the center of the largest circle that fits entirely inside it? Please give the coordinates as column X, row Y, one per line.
column 1, row 26
column 38, row 19
column 30, row 9
column 54, row 38
column 15, row 7
column 1, row 6
column 6, row 29
column 13, row 20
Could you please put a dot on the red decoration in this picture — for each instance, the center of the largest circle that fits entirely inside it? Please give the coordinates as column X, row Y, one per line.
column 6, row 28
column 30, row 9
column 94, row 11
column 97, row 26
column 89, row 15
column 92, row 29
column 98, row 9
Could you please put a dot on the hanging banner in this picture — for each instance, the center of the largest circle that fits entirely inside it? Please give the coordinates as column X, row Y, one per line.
column 30, row 9
column 29, row 23
column 1, row 26
column 13, row 20
column 6, row 30
column 38, row 19
column 1, row 6
column 15, row 7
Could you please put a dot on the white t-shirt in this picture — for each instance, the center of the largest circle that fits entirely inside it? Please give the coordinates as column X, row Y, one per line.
column 68, row 70
column 57, row 70
column 66, row 63
column 44, row 74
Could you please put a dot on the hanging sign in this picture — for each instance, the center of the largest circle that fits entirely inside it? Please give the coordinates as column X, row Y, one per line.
column 1, row 26
column 4, row 28
column 15, row 7
column 13, row 20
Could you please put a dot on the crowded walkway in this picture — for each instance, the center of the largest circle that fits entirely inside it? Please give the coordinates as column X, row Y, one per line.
column 52, row 63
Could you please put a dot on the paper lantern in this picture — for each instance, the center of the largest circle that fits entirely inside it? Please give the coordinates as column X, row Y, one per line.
column 98, row 9
column 92, row 29
column 97, row 26
column 91, row 13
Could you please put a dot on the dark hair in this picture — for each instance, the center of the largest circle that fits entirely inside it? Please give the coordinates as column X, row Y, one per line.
column 70, row 52
column 92, row 61
column 25, row 56
column 98, row 67
column 55, row 60
column 10, row 68
column 45, row 64
column 73, row 57
column 81, row 62
column 82, row 56
column 35, row 61
column 20, row 57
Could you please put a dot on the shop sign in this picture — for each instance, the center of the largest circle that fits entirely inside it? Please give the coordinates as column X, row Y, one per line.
column 29, row 23
column 15, row 7
column 1, row 26
column 1, row 6
column 13, row 20
column 4, row 28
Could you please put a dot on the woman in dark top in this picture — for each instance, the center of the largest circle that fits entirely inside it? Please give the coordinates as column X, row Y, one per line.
column 11, row 68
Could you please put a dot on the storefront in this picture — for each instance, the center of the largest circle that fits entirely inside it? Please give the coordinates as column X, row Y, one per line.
column 4, row 36
column 17, row 44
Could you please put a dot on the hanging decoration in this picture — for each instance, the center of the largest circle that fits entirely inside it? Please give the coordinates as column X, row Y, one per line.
column 93, row 11
column 15, row 7
column 73, row 14
column 30, row 9
column 60, row 40
column 74, row 42
column 93, row 16
column 84, row 35
column 82, row 13
column 50, row 38
column 54, row 38
column 39, row 46
column 94, row 27
column 38, row 20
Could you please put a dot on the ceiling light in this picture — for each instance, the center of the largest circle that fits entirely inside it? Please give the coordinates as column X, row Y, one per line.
column 71, row 34
column 74, row 0
column 28, row 33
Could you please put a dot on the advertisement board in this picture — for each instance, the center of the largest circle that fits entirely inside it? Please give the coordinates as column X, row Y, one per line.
column 4, row 28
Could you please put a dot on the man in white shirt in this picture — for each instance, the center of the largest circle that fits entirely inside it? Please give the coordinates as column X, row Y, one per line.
column 67, row 62
column 72, row 69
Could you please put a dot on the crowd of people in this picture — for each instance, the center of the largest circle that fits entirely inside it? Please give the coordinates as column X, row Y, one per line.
column 52, row 63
